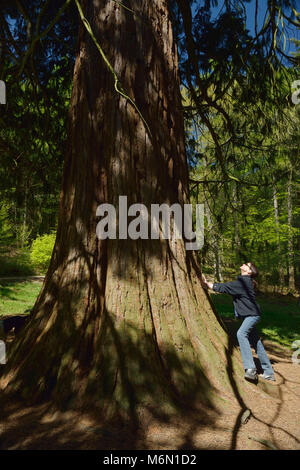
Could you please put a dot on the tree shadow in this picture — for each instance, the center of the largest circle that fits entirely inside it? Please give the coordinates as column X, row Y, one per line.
column 233, row 344
column 130, row 387
column 232, row 380
column 7, row 291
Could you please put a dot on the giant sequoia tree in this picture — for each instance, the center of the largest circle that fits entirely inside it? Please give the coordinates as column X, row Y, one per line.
column 122, row 324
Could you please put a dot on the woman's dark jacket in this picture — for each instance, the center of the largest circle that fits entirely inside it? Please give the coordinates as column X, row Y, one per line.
column 243, row 294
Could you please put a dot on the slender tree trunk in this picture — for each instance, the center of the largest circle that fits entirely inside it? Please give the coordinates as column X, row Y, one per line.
column 217, row 261
column 122, row 323
column 15, row 229
column 277, row 226
column 291, row 269
column 237, row 238
column 24, row 224
column 214, row 246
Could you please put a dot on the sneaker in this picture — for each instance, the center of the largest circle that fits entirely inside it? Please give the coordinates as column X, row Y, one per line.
column 251, row 374
column 267, row 376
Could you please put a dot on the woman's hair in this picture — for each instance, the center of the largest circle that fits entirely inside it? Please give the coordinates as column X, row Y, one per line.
column 254, row 273
column 254, row 270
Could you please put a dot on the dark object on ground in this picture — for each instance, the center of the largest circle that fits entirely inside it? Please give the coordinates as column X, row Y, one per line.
column 15, row 322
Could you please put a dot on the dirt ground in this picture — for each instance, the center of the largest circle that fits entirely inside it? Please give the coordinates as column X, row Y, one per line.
column 273, row 423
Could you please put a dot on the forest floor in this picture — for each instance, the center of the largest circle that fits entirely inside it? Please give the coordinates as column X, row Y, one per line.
column 273, row 424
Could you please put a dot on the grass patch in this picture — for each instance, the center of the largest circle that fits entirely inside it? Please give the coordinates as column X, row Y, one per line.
column 18, row 297
column 280, row 314
column 280, row 320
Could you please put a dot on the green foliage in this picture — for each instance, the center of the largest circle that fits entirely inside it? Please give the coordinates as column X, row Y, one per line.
column 32, row 155
column 41, row 251
column 260, row 171
column 17, row 264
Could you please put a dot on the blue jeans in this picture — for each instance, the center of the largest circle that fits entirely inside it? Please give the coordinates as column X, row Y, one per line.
column 248, row 334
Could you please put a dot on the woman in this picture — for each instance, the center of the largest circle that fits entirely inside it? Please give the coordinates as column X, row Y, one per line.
column 246, row 308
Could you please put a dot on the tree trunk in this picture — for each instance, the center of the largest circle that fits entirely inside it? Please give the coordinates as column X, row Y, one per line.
column 237, row 238
column 277, row 227
column 291, row 269
column 119, row 323
column 214, row 246
column 24, row 224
